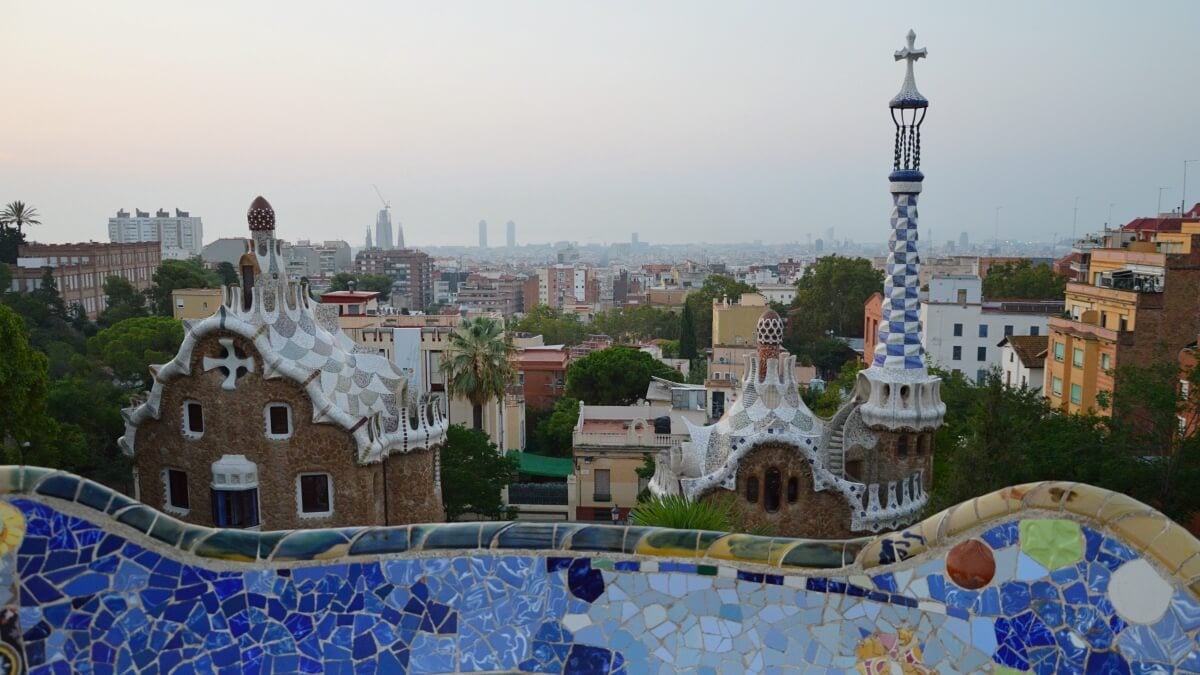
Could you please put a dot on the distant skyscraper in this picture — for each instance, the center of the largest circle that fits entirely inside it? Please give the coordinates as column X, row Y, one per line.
column 511, row 235
column 633, row 240
column 820, row 245
column 180, row 235
column 483, row 234
column 383, row 229
column 963, row 242
column 370, row 244
column 399, row 234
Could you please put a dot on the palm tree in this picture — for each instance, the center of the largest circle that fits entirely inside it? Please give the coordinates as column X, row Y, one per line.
column 476, row 363
column 17, row 213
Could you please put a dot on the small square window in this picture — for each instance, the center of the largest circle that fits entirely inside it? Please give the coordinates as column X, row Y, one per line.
column 177, row 490
column 1076, row 394
column 1105, row 362
column 956, row 354
column 983, row 330
column 314, row 494
column 1060, row 351
column 279, row 421
column 1056, row 386
column 1008, row 330
column 981, row 353
column 1077, row 357
column 958, row 330
column 1034, row 330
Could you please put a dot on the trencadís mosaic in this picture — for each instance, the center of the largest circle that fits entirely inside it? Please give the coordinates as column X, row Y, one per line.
column 1022, row 584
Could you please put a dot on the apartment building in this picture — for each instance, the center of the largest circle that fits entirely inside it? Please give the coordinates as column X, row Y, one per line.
column 411, row 271
column 962, row 328
column 503, row 294
column 1138, row 303
column 180, row 235
column 79, row 270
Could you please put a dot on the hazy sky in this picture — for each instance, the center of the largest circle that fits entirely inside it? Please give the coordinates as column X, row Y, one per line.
column 683, row 121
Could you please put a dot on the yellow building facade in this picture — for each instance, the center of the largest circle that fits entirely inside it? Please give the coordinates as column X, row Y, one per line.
column 195, row 303
column 1139, row 303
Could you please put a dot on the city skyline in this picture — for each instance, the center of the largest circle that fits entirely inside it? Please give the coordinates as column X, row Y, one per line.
column 685, row 122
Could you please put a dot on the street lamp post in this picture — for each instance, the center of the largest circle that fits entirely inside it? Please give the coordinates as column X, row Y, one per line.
column 1183, row 195
column 616, row 514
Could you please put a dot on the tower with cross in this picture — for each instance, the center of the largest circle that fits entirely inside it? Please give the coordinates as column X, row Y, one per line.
column 899, row 393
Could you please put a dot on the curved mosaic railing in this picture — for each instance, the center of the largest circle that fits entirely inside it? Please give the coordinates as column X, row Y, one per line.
column 1050, row 577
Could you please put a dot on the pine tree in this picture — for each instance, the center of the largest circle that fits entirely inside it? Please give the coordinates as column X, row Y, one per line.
column 687, row 334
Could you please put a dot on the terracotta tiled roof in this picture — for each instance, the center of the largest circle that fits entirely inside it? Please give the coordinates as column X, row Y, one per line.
column 1028, row 348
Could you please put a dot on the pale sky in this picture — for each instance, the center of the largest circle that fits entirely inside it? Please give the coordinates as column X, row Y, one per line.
column 683, row 121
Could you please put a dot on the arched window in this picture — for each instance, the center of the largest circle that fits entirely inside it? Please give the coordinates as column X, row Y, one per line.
column 793, row 490
column 752, row 489
column 772, row 490
column 902, row 446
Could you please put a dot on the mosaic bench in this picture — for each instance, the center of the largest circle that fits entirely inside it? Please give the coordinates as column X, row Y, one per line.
column 1047, row 578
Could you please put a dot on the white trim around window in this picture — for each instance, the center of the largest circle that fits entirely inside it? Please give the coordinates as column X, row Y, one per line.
column 316, row 511
column 270, row 429
column 175, row 504
column 193, row 409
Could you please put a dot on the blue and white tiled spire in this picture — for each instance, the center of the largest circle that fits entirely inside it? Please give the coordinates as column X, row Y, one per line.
column 897, row 393
column 899, row 339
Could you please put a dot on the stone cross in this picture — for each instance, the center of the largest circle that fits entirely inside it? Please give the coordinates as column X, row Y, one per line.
column 911, row 53
column 230, row 362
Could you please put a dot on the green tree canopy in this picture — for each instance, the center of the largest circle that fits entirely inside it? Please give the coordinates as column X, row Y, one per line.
column 122, row 301
column 636, row 323
column 552, row 433
column 175, row 274
column 380, row 283
column 687, row 333
column 615, row 376
column 700, row 302
column 477, row 363
column 829, row 299
column 473, row 473
column 554, row 327
column 23, row 381
column 1024, row 280
column 227, row 273
column 130, row 347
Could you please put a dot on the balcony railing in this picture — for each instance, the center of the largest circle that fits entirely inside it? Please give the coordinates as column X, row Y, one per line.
column 622, row 439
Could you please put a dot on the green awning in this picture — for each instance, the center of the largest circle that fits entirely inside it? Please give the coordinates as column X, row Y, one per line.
column 541, row 465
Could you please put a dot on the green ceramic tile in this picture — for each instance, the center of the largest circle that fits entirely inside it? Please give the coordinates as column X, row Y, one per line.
column 453, row 536
column 706, row 570
column 381, row 540
column 10, row 479
column 308, row 544
column 818, row 554
column 598, row 538
column 30, row 475
column 267, row 541
column 191, row 535
column 602, row 564
column 1053, row 543
column 139, row 516
column 633, row 535
column 526, row 535
column 167, row 530
column 238, row 545
column 95, row 496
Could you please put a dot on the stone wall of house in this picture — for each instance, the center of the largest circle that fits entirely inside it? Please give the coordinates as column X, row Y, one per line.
column 235, row 423
column 886, row 461
column 817, row 515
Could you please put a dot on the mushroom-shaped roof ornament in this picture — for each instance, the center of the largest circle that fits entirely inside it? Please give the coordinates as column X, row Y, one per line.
column 261, row 216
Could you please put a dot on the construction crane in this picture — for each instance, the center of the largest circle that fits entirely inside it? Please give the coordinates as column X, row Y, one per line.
column 386, row 203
